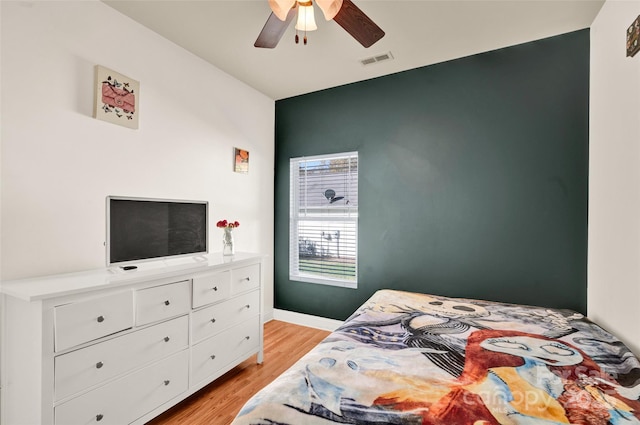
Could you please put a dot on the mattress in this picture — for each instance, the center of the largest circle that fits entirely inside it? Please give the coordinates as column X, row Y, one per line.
column 409, row 358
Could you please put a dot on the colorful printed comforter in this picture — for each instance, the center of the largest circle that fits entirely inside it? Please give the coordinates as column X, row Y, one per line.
column 407, row 358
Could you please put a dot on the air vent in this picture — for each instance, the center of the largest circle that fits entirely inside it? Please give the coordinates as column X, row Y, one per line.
column 378, row 58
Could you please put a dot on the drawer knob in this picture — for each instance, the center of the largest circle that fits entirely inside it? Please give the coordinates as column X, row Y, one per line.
column 247, row 306
column 167, row 302
column 215, row 288
column 166, row 339
column 247, row 337
column 100, row 319
column 213, row 320
column 99, row 365
column 213, row 356
column 248, row 279
column 99, row 417
column 166, row 382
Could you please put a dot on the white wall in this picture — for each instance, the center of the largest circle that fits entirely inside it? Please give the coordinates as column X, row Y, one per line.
column 59, row 163
column 614, row 176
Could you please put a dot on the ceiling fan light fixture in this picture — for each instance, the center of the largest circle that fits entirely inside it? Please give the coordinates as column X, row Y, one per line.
column 306, row 19
column 281, row 8
column 330, row 8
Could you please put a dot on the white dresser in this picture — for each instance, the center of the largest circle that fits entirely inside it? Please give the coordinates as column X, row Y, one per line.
column 117, row 347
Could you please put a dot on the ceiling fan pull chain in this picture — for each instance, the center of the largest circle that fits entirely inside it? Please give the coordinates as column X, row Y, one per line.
column 297, row 38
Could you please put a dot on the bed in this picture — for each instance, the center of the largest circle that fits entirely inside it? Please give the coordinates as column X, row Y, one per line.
column 408, row 358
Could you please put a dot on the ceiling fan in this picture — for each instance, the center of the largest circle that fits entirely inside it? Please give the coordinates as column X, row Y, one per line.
column 343, row 12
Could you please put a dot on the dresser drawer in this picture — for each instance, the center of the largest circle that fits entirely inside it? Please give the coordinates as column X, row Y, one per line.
column 162, row 302
column 211, row 288
column 216, row 318
column 100, row 362
column 213, row 354
column 245, row 278
column 130, row 397
column 84, row 321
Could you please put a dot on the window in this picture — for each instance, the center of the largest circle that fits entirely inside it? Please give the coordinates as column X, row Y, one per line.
column 323, row 219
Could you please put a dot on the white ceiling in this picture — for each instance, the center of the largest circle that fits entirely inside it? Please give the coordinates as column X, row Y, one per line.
column 418, row 33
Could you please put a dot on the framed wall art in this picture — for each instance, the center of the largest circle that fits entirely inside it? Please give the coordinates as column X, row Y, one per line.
column 117, row 98
column 241, row 161
column 633, row 38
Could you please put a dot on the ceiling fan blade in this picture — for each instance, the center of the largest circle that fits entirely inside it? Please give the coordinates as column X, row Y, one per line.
column 359, row 25
column 274, row 29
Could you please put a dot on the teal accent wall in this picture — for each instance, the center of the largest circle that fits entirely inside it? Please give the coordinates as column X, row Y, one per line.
column 473, row 178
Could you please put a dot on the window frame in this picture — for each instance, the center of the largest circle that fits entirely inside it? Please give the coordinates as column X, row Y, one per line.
column 350, row 216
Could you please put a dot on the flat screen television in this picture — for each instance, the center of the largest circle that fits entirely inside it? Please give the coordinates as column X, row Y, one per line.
column 144, row 229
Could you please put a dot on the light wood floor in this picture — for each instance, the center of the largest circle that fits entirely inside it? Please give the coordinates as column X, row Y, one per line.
column 219, row 402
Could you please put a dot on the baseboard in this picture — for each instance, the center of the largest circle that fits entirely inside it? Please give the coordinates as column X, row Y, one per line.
column 267, row 316
column 307, row 320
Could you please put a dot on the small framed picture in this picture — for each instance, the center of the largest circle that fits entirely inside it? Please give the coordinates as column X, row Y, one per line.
column 241, row 161
column 117, row 98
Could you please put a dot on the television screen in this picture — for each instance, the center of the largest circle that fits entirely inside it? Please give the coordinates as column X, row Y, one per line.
column 144, row 229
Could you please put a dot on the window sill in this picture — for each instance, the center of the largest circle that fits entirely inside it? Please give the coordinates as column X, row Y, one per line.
column 325, row 281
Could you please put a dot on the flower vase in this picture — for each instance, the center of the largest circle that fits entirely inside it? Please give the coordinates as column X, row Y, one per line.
column 227, row 241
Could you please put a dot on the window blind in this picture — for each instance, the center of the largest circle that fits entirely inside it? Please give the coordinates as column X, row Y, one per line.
column 323, row 236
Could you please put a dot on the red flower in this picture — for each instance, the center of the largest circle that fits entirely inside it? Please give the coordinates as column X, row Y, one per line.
column 225, row 223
